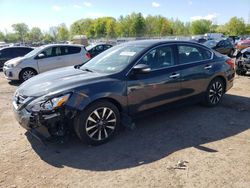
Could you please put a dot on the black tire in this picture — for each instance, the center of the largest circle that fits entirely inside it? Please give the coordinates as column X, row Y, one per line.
column 26, row 74
column 90, row 128
column 241, row 72
column 214, row 92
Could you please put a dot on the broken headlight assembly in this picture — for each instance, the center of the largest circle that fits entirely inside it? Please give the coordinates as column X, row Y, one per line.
column 41, row 104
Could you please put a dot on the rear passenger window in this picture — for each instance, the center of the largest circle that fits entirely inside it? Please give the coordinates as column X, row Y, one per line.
column 74, row 49
column 188, row 54
column 67, row 50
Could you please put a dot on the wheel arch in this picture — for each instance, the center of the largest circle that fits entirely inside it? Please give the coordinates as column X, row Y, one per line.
column 108, row 99
column 223, row 80
column 26, row 69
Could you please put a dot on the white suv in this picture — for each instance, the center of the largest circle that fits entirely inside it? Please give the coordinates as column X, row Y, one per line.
column 44, row 58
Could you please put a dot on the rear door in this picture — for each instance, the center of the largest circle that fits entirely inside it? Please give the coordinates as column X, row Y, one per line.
column 196, row 67
column 158, row 87
column 71, row 55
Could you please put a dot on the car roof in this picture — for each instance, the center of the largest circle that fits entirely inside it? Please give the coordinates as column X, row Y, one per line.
column 155, row 42
column 9, row 47
column 52, row 45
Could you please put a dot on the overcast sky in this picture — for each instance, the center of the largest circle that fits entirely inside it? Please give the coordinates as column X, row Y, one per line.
column 47, row 13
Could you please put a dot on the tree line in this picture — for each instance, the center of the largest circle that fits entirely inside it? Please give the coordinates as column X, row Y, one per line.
column 132, row 25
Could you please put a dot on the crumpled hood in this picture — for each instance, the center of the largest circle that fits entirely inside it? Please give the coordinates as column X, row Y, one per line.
column 15, row 61
column 56, row 81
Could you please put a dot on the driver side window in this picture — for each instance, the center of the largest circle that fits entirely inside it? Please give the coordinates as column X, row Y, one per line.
column 51, row 52
column 161, row 57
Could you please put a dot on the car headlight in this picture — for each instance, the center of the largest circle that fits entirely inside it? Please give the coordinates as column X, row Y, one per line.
column 10, row 65
column 48, row 105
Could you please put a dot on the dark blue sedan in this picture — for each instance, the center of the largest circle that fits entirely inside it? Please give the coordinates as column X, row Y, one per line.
column 109, row 90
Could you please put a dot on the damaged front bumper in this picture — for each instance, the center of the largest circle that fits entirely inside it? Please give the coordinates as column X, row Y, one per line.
column 43, row 126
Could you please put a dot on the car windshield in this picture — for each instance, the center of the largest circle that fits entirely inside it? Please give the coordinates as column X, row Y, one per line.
column 211, row 43
column 114, row 59
column 33, row 52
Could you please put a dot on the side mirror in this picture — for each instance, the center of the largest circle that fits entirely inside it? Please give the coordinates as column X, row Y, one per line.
column 141, row 69
column 40, row 56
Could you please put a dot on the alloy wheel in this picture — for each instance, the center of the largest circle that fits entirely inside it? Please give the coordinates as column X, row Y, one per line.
column 27, row 74
column 215, row 92
column 101, row 123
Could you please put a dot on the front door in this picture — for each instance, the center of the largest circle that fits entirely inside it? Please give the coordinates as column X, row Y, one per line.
column 52, row 59
column 160, row 86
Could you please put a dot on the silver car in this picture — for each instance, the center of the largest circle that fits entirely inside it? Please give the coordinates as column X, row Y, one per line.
column 44, row 58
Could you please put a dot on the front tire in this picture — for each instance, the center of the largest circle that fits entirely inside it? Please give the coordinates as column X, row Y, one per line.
column 26, row 74
column 214, row 93
column 98, row 123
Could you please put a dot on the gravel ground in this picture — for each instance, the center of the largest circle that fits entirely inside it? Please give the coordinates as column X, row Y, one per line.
column 212, row 146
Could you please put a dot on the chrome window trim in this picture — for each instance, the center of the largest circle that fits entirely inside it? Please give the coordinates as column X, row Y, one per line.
column 171, row 44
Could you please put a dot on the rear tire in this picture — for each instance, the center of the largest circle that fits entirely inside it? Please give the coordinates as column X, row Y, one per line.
column 241, row 72
column 214, row 93
column 26, row 74
column 98, row 123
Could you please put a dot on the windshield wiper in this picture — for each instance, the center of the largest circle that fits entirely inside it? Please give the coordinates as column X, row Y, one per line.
column 88, row 70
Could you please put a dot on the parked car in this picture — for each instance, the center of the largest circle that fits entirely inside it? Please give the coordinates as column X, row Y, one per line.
column 44, row 58
column 12, row 52
column 199, row 40
column 94, row 99
column 243, row 61
column 95, row 49
column 223, row 46
column 243, row 44
column 233, row 39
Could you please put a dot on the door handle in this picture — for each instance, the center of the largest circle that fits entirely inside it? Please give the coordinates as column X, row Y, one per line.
column 208, row 67
column 174, row 75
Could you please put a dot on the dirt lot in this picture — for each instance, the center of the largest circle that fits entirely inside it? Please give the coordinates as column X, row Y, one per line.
column 214, row 141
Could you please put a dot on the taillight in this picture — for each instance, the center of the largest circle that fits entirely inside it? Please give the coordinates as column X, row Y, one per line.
column 88, row 55
column 230, row 62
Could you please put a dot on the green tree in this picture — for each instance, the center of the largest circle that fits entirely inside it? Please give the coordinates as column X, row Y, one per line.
column 166, row 28
column 248, row 29
column 200, row 26
column 2, row 37
column 123, row 26
column 11, row 37
column 21, row 30
column 221, row 29
column 100, row 27
column 47, row 38
column 179, row 27
column 138, row 25
column 236, row 26
column 110, row 27
column 83, row 27
column 35, row 34
column 53, row 31
column 63, row 33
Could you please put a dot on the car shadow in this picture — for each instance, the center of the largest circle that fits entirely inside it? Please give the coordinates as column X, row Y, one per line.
column 154, row 137
column 15, row 83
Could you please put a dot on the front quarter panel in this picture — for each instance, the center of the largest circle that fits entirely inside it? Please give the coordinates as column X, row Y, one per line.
column 29, row 63
column 111, row 89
